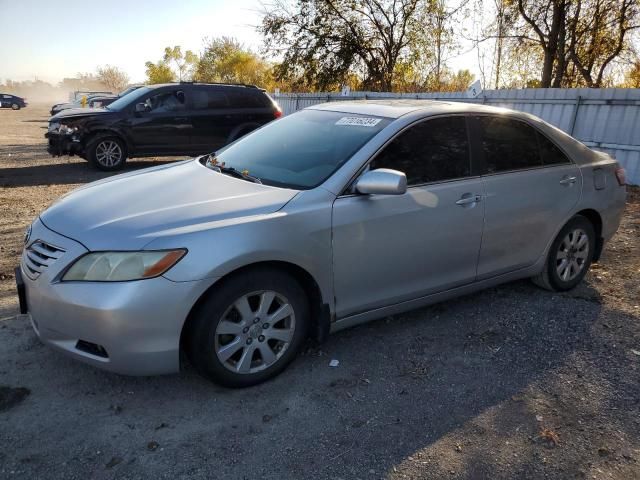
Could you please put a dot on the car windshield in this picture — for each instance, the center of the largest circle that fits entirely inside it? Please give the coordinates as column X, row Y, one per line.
column 129, row 98
column 127, row 91
column 301, row 150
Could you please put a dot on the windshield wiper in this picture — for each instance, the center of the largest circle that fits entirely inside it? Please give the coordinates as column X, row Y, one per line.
column 212, row 163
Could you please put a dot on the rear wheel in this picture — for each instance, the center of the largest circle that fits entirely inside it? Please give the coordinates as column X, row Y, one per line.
column 106, row 153
column 569, row 257
column 249, row 328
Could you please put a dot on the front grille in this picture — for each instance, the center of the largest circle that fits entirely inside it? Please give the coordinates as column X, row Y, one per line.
column 38, row 256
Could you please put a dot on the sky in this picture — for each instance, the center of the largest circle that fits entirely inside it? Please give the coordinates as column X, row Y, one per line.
column 50, row 40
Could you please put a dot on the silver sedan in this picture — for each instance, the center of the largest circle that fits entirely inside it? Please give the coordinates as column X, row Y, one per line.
column 330, row 217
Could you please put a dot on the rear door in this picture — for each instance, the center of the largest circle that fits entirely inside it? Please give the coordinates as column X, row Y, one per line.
column 392, row 248
column 209, row 110
column 530, row 187
column 165, row 128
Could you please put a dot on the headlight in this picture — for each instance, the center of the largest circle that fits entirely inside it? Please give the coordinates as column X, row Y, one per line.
column 122, row 266
column 53, row 126
column 66, row 129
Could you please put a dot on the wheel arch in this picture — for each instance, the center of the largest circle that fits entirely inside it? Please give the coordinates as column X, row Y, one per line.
column 320, row 311
column 107, row 132
column 242, row 130
column 596, row 220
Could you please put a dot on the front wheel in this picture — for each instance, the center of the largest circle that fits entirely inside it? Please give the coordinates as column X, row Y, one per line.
column 15, row 106
column 569, row 257
column 249, row 328
column 107, row 153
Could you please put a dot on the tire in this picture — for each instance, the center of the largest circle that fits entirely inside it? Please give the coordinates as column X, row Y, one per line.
column 106, row 152
column 569, row 257
column 15, row 106
column 233, row 330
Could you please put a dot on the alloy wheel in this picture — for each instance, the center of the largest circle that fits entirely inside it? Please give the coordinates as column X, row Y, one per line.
column 572, row 255
column 108, row 153
column 254, row 332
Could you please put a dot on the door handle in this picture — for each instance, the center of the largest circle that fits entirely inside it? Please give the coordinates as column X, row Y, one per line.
column 468, row 199
column 568, row 180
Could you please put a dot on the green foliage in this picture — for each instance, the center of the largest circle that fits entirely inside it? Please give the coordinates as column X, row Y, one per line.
column 159, row 72
column 226, row 60
column 184, row 63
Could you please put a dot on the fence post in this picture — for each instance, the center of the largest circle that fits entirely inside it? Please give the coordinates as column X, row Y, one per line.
column 575, row 115
column 297, row 97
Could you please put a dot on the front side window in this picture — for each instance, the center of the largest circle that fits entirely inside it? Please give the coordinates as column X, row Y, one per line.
column 508, row 144
column 172, row 101
column 431, row 151
column 301, row 150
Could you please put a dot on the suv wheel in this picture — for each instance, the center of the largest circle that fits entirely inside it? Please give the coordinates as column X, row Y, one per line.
column 249, row 328
column 569, row 257
column 15, row 106
column 107, row 153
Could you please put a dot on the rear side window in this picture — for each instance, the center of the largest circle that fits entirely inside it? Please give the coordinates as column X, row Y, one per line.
column 431, row 151
column 206, row 98
column 508, row 145
column 551, row 155
column 243, row 97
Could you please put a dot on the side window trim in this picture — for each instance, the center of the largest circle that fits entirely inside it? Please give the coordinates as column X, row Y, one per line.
column 347, row 190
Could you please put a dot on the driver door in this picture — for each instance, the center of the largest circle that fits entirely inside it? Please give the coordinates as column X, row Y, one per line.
column 393, row 248
column 165, row 127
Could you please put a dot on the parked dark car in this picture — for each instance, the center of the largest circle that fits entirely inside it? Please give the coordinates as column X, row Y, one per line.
column 11, row 101
column 104, row 100
column 77, row 103
column 169, row 119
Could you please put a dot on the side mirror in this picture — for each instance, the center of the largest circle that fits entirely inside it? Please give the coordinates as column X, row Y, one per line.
column 141, row 107
column 382, row 181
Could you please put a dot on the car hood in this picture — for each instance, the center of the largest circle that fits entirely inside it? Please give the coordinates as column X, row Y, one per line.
column 128, row 211
column 79, row 112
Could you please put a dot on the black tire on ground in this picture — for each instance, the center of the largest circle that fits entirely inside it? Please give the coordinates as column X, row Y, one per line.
column 550, row 277
column 15, row 106
column 203, row 341
column 106, row 152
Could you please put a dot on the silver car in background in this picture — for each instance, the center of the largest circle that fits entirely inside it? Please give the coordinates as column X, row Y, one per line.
column 330, row 217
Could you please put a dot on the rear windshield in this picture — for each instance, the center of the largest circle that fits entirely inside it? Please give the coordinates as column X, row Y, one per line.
column 301, row 150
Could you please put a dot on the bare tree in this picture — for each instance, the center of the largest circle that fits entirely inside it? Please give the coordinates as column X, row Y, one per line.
column 112, row 77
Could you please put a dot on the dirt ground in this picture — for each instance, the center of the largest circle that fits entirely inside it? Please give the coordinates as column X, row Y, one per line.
column 512, row 382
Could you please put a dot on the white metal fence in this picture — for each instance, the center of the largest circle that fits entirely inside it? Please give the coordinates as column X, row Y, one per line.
column 606, row 119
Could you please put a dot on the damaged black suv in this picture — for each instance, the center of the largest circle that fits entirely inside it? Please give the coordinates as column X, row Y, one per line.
column 170, row 119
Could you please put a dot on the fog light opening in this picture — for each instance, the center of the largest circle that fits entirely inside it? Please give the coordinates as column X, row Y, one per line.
column 92, row 349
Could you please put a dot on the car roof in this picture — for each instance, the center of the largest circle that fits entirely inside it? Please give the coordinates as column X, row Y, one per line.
column 204, row 84
column 395, row 108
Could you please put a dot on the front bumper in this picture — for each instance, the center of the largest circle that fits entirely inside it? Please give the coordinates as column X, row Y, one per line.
column 132, row 328
column 62, row 144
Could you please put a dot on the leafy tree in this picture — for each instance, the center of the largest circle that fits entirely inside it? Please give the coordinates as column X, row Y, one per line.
column 577, row 40
column 226, row 60
column 324, row 42
column 632, row 76
column 113, row 78
column 184, row 63
column 159, row 72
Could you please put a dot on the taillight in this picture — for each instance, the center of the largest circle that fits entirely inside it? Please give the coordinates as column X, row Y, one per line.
column 277, row 113
column 621, row 176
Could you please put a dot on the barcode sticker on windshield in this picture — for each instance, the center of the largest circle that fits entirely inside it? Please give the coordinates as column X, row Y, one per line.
column 359, row 121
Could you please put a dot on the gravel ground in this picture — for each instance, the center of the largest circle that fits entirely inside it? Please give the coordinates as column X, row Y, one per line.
column 512, row 382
